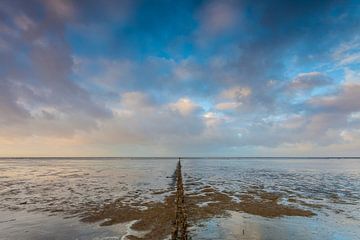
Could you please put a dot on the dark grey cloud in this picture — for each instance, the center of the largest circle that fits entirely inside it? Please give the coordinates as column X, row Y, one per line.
column 10, row 110
column 37, row 65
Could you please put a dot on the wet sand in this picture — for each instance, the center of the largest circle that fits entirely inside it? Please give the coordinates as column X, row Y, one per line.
column 158, row 217
column 149, row 211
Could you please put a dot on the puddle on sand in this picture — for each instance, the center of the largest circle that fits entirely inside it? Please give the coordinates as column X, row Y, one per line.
column 250, row 227
column 41, row 226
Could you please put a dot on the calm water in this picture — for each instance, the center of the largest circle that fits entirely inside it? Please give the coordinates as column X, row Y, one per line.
column 44, row 198
column 332, row 186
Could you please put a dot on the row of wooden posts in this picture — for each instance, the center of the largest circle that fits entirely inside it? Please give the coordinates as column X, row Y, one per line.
column 180, row 223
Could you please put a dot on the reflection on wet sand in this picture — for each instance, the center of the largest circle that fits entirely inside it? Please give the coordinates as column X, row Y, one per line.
column 238, row 225
column 224, row 199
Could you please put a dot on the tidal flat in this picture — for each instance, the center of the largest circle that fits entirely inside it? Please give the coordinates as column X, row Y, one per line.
column 118, row 198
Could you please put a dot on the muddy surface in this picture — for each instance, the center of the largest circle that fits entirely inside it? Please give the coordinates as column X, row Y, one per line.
column 142, row 195
column 158, row 217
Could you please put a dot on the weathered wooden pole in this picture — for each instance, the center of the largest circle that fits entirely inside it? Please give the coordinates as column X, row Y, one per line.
column 180, row 224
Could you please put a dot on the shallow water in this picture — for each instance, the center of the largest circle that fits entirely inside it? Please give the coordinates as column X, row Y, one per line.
column 33, row 189
column 328, row 187
column 67, row 185
column 37, row 194
column 335, row 184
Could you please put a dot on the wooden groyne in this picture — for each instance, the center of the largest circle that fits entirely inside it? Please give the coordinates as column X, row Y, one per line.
column 180, row 223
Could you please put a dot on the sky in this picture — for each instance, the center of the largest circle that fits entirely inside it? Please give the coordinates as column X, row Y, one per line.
column 179, row 78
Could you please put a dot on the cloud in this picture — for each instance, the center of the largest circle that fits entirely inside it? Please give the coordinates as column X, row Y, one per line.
column 37, row 74
column 61, row 8
column 351, row 76
column 228, row 105
column 234, row 98
column 194, row 77
column 218, row 16
column 236, row 93
column 11, row 111
column 139, row 120
column 347, row 53
column 184, row 106
column 308, row 81
column 345, row 102
column 324, row 120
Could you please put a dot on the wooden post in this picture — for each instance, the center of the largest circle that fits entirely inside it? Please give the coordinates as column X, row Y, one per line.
column 180, row 223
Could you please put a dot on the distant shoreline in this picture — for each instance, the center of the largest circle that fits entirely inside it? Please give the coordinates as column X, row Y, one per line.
column 180, row 157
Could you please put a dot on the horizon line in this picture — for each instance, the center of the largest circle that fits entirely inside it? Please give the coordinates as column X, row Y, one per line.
column 188, row 157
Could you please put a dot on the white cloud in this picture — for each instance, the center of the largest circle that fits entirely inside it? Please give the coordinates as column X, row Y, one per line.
column 233, row 98
column 228, row 105
column 348, row 52
column 184, row 106
column 236, row 93
column 351, row 76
